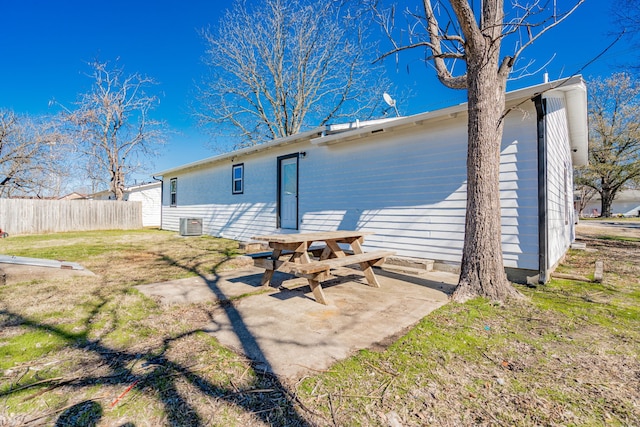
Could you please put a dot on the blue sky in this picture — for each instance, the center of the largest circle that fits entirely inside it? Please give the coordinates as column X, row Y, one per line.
column 44, row 47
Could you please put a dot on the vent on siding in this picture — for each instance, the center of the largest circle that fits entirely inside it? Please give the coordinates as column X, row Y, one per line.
column 190, row 226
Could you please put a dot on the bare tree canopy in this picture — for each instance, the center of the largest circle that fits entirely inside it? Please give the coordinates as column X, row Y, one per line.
column 627, row 16
column 32, row 156
column 450, row 39
column 111, row 126
column 465, row 46
column 280, row 66
column 614, row 137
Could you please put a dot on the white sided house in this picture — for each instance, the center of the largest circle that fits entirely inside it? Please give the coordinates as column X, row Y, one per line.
column 148, row 194
column 403, row 179
column 626, row 203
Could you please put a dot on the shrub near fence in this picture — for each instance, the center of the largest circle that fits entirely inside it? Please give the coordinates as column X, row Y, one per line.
column 33, row 216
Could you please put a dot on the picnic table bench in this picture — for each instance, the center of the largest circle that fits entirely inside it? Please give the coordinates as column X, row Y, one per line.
column 295, row 249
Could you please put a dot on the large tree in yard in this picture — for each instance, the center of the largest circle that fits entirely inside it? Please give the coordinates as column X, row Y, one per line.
column 467, row 51
column 111, row 126
column 278, row 67
column 614, row 138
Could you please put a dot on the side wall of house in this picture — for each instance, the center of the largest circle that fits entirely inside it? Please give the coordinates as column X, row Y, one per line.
column 560, row 211
column 150, row 197
column 408, row 186
column 206, row 192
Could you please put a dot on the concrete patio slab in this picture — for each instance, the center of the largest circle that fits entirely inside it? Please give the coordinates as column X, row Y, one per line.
column 285, row 331
column 229, row 285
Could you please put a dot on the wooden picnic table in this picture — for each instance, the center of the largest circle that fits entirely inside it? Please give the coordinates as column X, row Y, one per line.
column 290, row 254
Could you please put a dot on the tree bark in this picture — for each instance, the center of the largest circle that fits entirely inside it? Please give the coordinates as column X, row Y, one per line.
column 475, row 37
column 606, row 197
column 482, row 268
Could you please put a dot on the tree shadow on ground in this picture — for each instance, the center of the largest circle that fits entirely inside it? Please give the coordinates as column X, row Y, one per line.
column 276, row 406
column 83, row 414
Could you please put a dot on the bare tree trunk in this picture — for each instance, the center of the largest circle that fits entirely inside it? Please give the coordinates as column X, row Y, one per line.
column 482, row 263
column 586, row 194
column 111, row 125
column 116, row 185
column 475, row 37
column 606, row 197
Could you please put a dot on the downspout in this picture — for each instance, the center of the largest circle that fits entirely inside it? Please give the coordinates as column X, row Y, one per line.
column 543, row 237
column 161, row 197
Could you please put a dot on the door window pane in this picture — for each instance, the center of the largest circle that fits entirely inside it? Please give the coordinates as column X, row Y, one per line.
column 289, row 179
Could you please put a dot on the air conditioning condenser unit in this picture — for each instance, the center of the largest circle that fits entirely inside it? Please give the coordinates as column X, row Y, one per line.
column 190, row 226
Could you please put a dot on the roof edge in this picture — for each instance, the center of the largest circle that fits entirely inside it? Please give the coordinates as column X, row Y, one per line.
column 319, row 136
column 244, row 151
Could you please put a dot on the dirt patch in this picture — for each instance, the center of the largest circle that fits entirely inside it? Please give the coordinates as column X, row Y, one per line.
column 594, row 228
column 14, row 273
column 617, row 244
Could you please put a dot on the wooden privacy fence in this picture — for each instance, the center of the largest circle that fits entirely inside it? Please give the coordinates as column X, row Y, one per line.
column 32, row 216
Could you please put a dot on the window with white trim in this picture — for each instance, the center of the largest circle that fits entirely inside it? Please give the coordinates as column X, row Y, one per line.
column 237, row 179
column 173, row 190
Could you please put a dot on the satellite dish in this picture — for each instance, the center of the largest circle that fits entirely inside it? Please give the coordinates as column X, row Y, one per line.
column 390, row 102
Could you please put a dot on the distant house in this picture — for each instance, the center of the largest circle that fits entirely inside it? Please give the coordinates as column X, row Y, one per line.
column 73, row 196
column 626, row 203
column 403, row 179
column 149, row 194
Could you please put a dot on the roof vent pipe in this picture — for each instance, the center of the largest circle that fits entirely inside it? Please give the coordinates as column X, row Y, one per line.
column 546, row 77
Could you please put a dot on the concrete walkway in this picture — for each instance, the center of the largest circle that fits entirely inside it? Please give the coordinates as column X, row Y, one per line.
column 286, row 332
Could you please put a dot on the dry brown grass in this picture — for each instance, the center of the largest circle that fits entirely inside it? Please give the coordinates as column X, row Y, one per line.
column 569, row 355
column 92, row 349
column 70, row 347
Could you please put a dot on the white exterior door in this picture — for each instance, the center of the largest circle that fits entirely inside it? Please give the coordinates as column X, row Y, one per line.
column 289, row 193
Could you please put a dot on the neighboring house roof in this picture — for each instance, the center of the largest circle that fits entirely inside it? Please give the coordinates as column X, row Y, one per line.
column 73, row 196
column 627, row 196
column 143, row 186
column 622, row 196
column 574, row 89
column 99, row 194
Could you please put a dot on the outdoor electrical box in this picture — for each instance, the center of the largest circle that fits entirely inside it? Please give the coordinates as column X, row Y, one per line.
column 190, row 226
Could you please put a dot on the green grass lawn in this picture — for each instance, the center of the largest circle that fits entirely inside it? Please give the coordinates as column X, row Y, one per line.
column 95, row 350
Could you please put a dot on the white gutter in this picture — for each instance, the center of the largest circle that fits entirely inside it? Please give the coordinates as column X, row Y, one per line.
column 245, row 151
column 333, row 134
column 576, row 106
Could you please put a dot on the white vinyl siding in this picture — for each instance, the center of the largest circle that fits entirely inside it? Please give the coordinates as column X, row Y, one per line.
column 407, row 186
column 149, row 196
column 560, row 214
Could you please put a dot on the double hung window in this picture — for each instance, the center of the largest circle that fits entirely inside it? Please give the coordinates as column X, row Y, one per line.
column 237, row 179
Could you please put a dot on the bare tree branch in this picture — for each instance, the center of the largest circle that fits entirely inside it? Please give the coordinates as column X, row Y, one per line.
column 111, row 126
column 300, row 65
column 33, row 156
column 545, row 25
column 476, row 39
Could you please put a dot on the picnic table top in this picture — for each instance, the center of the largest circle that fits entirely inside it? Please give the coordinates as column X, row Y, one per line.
column 317, row 236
